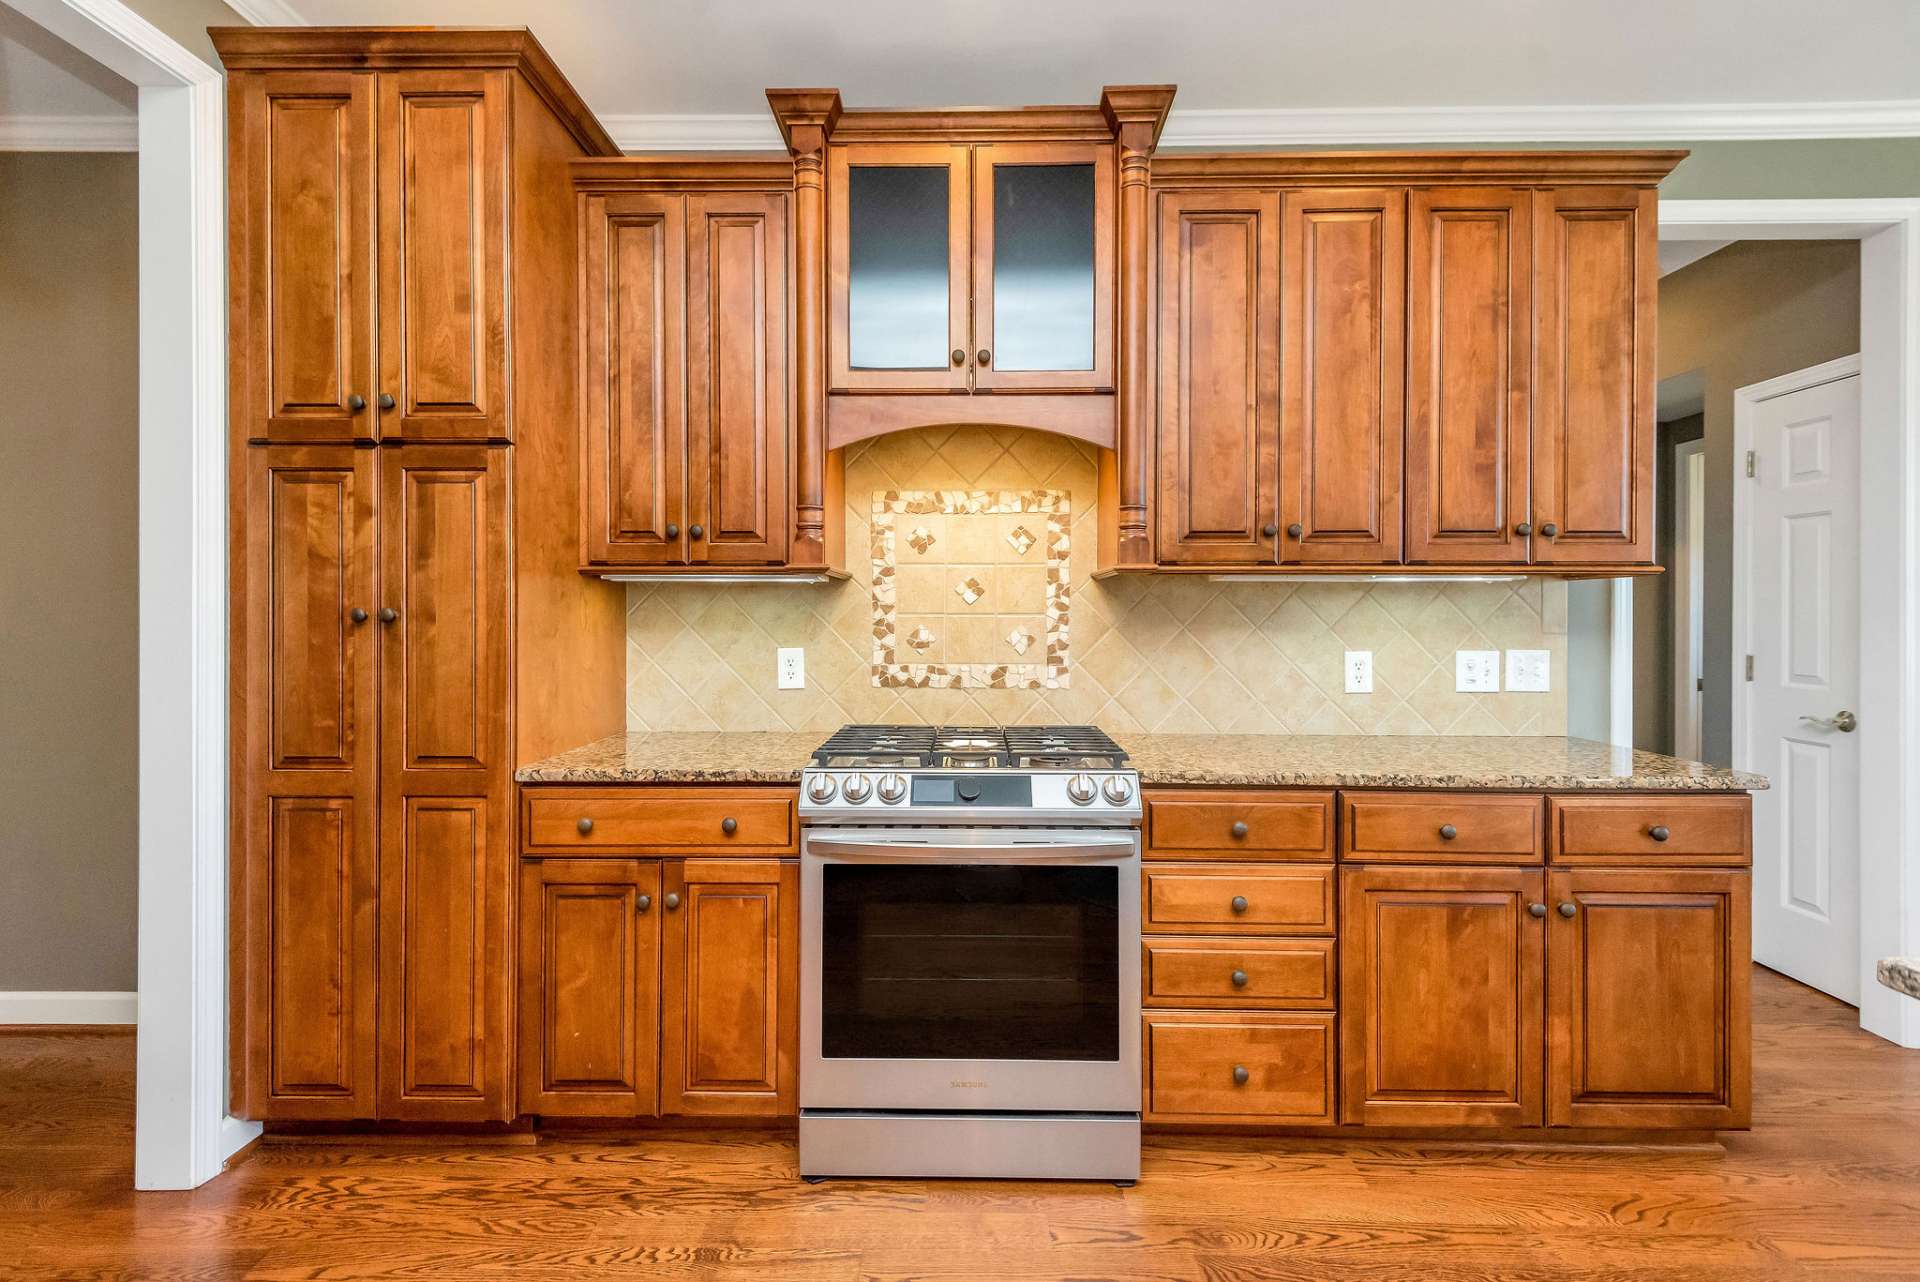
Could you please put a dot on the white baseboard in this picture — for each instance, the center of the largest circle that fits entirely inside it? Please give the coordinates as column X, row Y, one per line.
column 68, row 1008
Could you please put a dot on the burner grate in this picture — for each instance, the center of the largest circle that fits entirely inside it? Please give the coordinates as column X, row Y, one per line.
column 1001, row 746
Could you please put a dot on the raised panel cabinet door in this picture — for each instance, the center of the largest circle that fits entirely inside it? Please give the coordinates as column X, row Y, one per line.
column 1648, row 1019
column 442, row 251
column 300, row 260
column 1595, row 305
column 445, row 859
column 1441, row 1005
column 1219, row 393
column 1469, row 373
column 590, row 987
column 1342, row 375
column 1043, row 267
column 306, row 771
column 730, row 989
column 740, row 493
column 633, row 310
column 898, row 310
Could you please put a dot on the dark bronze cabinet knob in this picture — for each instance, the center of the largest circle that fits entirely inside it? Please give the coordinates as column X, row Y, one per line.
column 729, row 824
column 386, row 400
column 1239, row 978
column 1448, row 832
column 673, row 901
column 983, row 356
column 696, row 532
column 1549, row 529
column 1567, row 909
column 1239, row 827
column 1294, row 530
column 1523, row 529
column 388, row 614
column 1536, row 910
column 1269, row 530
column 357, row 614
column 356, row 402
column 672, row 530
column 1239, row 903
column 642, row 902
column 585, row 825
column 1240, row 1075
column 1659, row 832
column 959, row 356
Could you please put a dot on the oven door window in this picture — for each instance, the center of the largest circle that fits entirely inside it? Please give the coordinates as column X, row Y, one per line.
column 970, row 962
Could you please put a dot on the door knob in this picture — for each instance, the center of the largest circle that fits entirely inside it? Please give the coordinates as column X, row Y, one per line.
column 1842, row 721
column 1239, row 903
column 585, row 825
column 1240, row 1075
column 388, row 614
column 1567, row 909
column 983, row 356
column 642, row 902
column 356, row 402
column 1294, row 530
column 1536, row 910
column 1239, row 978
column 386, row 400
column 696, row 532
column 673, row 901
column 672, row 530
column 1549, row 529
column 1269, row 530
column 959, row 356
column 1523, row 529
column 729, row 824
column 357, row 615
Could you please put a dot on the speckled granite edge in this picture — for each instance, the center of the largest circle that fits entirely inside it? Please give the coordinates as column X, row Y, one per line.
column 690, row 757
column 1901, row 974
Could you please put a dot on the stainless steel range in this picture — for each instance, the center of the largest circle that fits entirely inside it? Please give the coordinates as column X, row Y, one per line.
column 970, row 954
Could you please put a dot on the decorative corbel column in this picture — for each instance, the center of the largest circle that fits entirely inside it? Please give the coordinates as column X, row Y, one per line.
column 806, row 118
column 1137, row 114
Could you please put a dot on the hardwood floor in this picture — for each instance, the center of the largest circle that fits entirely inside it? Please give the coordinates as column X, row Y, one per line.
column 1826, row 1185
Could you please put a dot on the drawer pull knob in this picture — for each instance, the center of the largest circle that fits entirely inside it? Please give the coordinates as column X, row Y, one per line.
column 1567, row 909
column 672, row 901
column 1537, row 910
column 585, row 825
column 1659, row 832
column 1239, row 827
column 1240, row 1074
column 1239, row 979
column 642, row 903
column 729, row 824
column 1239, row 904
column 1448, row 832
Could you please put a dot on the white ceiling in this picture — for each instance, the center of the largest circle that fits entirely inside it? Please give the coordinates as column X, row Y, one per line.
column 43, row 75
column 716, row 56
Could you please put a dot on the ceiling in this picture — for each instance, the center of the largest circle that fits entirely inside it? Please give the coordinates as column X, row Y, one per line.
column 43, row 75
column 717, row 56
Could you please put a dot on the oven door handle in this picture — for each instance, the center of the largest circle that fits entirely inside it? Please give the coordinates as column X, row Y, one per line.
column 1078, row 850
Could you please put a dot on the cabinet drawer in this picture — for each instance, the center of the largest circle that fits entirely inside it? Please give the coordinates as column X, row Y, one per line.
column 1191, row 1063
column 1239, row 825
column 1641, row 830
column 1439, row 828
column 750, row 820
column 1238, row 899
column 1187, row 973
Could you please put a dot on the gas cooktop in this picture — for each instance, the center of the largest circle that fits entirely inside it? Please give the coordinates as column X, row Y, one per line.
column 970, row 748
column 1036, row 775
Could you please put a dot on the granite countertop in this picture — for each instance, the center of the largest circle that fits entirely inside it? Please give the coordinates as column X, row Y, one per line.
column 1310, row 761
column 1901, row 974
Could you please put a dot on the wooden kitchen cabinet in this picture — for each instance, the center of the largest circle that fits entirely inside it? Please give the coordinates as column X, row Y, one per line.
column 590, row 987
column 1442, row 972
column 730, row 988
column 1647, row 999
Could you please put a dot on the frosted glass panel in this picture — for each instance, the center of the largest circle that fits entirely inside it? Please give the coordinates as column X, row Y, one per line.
column 897, row 266
column 1043, row 267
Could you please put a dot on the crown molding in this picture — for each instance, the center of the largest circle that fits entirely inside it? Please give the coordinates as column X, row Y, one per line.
column 1298, row 126
column 267, row 13
column 69, row 133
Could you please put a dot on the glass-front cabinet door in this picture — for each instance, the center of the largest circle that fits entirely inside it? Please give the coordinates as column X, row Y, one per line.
column 984, row 267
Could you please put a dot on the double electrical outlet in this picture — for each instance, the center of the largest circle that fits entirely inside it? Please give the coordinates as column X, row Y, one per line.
column 1474, row 671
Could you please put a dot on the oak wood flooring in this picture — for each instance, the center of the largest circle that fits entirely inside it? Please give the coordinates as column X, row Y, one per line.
column 1827, row 1185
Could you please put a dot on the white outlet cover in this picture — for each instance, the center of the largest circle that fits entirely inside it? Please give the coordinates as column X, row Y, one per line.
column 1359, row 671
column 791, row 665
column 1476, row 671
column 1530, row 670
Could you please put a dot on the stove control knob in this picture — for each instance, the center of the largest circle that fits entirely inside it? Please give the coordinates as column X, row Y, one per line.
column 892, row 788
column 1117, row 789
column 857, row 788
column 1080, row 789
column 820, row 789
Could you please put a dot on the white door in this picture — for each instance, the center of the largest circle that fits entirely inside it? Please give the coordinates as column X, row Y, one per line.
column 1798, row 554
column 1689, row 594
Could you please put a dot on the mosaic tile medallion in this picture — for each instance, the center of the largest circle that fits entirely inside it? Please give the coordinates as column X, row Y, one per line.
column 982, row 590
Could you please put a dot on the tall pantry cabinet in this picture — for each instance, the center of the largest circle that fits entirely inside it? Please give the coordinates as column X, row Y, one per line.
column 403, row 472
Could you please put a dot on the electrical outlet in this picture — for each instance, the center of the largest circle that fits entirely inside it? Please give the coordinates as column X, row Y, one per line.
column 792, row 667
column 1359, row 669
column 1476, row 671
column 1529, row 670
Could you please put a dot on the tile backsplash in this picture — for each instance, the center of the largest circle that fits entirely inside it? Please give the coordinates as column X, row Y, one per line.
column 1132, row 652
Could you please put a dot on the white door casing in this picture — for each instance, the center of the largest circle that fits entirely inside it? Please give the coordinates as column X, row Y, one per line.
column 1798, row 549
column 1689, row 594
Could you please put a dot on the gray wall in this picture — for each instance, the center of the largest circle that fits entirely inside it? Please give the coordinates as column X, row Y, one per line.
column 68, row 609
column 1752, row 311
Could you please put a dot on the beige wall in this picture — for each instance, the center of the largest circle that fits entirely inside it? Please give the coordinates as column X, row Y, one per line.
column 187, row 21
column 1752, row 311
column 68, row 606
column 1167, row 653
